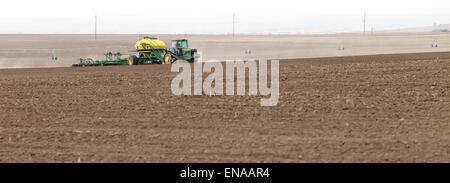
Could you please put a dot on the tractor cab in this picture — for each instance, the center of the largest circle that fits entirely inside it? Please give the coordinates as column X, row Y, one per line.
column 181, row 43
column 181, row 49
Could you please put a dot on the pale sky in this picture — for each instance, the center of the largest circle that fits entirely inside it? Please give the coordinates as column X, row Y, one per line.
column 57, row 8
column 28, row 16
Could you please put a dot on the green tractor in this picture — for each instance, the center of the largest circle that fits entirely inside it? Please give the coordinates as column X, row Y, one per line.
column 180, row 51
column 150, row 51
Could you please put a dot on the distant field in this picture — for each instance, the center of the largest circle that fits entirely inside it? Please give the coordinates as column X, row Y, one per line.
column 18, row 51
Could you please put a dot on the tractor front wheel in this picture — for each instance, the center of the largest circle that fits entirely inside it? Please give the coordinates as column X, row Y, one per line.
column 133, row 60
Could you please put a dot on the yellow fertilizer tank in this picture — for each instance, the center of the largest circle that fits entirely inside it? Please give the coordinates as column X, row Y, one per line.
column 149, row 43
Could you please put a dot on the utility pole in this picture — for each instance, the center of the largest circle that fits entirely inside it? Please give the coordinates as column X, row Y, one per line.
column 234, row 21
column 95, row 31
column 364, row 23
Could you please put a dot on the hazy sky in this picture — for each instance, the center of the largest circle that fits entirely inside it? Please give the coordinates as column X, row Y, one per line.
column 209, row 16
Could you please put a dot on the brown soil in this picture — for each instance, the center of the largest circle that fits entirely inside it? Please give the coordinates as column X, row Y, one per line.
column 385, row 108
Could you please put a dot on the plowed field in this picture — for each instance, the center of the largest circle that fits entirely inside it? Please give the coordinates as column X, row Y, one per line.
column 382, row 108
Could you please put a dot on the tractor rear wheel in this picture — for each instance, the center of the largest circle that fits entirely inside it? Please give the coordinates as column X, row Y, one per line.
column 133, row 60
